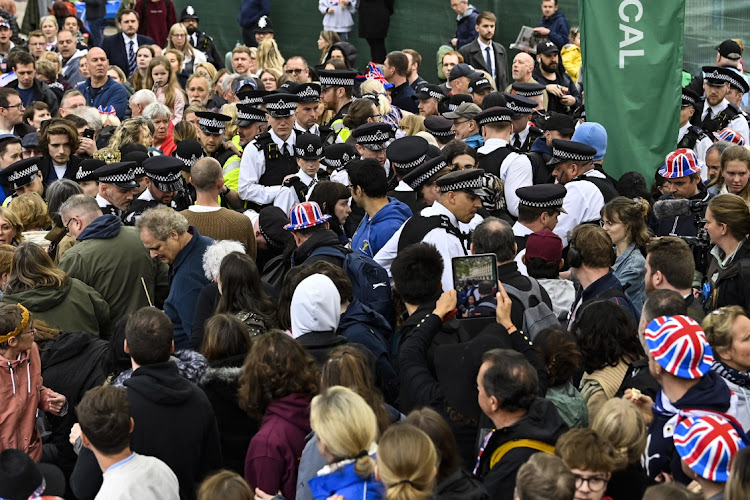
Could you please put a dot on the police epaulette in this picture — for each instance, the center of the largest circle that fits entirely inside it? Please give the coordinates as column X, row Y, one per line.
column 262, row 140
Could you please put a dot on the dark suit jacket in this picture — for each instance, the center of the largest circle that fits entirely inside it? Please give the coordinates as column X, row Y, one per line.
column 473, row 55
column 114, row 47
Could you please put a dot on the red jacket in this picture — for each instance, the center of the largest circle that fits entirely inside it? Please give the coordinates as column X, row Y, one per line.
column 156, row 19
column 21, row 393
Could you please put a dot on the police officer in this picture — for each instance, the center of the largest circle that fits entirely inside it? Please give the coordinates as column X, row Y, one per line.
column 534, row 91
column 585, row 198
column 539, row 207
column 200, row 40
column 429, row 96
column 423, row 181
column 499, row 158
column 718, row 113
column 406, row 154
column 306, row 117
column 691, row 136
column 210, row 132
column 23, row 176
column 163, row 182
column 372, row 140
column 188, row 152
column 524, row 133
column 336, row 88
column 270, row 157
column 440, row 128
column 335, row 158
column 308, row 151
column 251, row 122
column 117, row 187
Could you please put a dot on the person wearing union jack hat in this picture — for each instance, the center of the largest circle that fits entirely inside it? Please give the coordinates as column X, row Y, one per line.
column 682, row 181
column 718, row 112
column 680, row 360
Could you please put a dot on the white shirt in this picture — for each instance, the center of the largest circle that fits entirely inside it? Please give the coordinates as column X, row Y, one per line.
column 483, row 46
column 315, row 129
column 253, row 166
column 127, row 40
column 522, row 135
column 521, row 230
column 60, row 170
column 583, row 202
column 738, row 123
column 287, row 196
column 515, row 172
column 701, row 146
column 202, row 209
column 102, row 202
column 403, row 187
column 146, row 196
column 139, row 477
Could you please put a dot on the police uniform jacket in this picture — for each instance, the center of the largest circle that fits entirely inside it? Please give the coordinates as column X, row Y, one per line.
column 263, row 167
column 515, row 172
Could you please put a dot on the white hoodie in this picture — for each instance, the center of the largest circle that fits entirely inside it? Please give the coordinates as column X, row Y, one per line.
column 316, row 306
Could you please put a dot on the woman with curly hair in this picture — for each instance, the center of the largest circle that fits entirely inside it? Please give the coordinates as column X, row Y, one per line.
column 132, row 130
column 278, row 382
column 607, row 337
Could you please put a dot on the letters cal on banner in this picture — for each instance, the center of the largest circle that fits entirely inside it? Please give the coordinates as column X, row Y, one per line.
column 632, row 61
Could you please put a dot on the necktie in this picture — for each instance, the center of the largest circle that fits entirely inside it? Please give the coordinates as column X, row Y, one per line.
column 285, row 150
column 488, row 61
column 131, row 58
column 516, row 141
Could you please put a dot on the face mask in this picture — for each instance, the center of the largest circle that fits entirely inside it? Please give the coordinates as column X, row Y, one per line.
column 400, row 133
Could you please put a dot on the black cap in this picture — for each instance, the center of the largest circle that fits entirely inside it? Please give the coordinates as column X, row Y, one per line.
column 496, row 114
column 263, row 25
column 188, row 13
column 520, row 105
column 247, row 115
column 469, row 181
column 463, row 69
column 374, row 136
column 559, row 122
column 212, row 123
column 428, row 91
column 407, row 153
column 547, row 48
column 165, row 172
column 252, row 97
column 308, row 147
column 271, row 222
column 138, row 157
column 479, row 83
column 716, row 75
column 119, row 174
column 287, row 87
column 338, row 155
column 738, row 81
column 689, row 98
column 87, row 168
column 571, row 151
column 336, row 78
column 19, row 475
column 307, row 92
column 454, row 101
column 542, row 196
column 281, row 105
column 439, row 126
column 9, row 137
column 730, row 50
column 189, row 151
column 418, row 176
column 528, row 89
column 30, row 140
column 21, row 173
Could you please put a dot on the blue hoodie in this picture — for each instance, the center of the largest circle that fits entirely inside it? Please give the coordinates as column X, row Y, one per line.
column 373, row 233
column 466, row 31
column 559, row 33
column 103, row 227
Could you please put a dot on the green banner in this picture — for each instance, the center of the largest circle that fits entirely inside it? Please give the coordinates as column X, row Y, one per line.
column 632, row 61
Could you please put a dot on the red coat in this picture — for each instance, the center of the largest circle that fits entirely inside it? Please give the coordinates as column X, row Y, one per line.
column 156, row 17
column 21, row 393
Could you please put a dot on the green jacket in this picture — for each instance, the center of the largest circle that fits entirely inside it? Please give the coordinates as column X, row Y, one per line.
column 111, row 258
column 73, row 306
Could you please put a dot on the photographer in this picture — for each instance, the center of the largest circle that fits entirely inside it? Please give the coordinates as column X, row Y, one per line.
column 728, row 224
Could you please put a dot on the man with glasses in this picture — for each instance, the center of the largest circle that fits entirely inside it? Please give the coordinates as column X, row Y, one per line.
column 11, row 113
column 37, row 44
column 105, row 249
column 297, row 68
column 464, row 125
column 590, row 458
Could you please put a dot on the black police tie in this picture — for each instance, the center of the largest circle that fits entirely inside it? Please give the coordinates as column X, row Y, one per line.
column 516, row 141
column 285, row 150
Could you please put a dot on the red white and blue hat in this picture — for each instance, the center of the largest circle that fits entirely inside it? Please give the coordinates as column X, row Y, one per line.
column 729, row 135
column 679, row 345
column 680, row 163
column 304, row 215
column 708, row 444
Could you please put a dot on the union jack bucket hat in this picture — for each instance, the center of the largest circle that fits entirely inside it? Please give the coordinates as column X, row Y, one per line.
column 679, row 345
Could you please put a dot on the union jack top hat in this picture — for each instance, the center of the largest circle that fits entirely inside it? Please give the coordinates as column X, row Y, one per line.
column 679, row 345
column 680, row 163
column 729, row 135
column 304, row 215
column 708, row 444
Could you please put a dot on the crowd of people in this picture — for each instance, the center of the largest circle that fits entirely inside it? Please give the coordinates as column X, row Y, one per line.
column 250, row 277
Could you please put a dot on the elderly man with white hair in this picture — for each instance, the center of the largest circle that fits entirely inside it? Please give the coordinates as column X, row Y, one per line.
column 140, row 100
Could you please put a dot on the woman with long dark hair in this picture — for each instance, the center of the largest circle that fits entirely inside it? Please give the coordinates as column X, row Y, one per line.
column 242, row 292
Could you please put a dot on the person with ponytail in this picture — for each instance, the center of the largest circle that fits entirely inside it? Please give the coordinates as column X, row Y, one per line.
column 346, row 429
column 407, row 463
column 624, row 219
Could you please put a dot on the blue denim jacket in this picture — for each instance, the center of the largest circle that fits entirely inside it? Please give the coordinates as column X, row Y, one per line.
column 630, row 269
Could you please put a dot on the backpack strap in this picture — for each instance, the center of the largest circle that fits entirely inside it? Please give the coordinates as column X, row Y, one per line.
column 534, row 444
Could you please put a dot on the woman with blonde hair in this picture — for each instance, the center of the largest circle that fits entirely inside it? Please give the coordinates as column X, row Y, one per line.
column 34, row 217
column 11, row 228
column 269, row 55
column 163, row 80
column 734, row 173
column 622, row 424
column 410, row 125
column 191, row 57
column 50, row 29
column 624, row 220
column 728, row 332
column 143, row 57
column 407, row 463
column 325, row 41
column 132, row 130
column 52, row 296
column 6, row 258
column 207, row 69
column 346, row 429
column 270, row 78
column 392, row 115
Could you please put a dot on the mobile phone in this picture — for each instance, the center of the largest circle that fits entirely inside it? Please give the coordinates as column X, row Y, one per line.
column 88, row 133
column 471, row 270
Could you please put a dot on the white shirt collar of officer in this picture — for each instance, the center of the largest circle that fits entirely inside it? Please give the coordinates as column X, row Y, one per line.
column 313, row 130
column 438, row 209
column 306, row 179
column 492, row 144
column 280, row 143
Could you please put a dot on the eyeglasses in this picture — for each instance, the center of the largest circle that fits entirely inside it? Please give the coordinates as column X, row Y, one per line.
column 68, row 224
column 18, row 106
column 457, row 123
column 595, row 483
column 295, row 71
